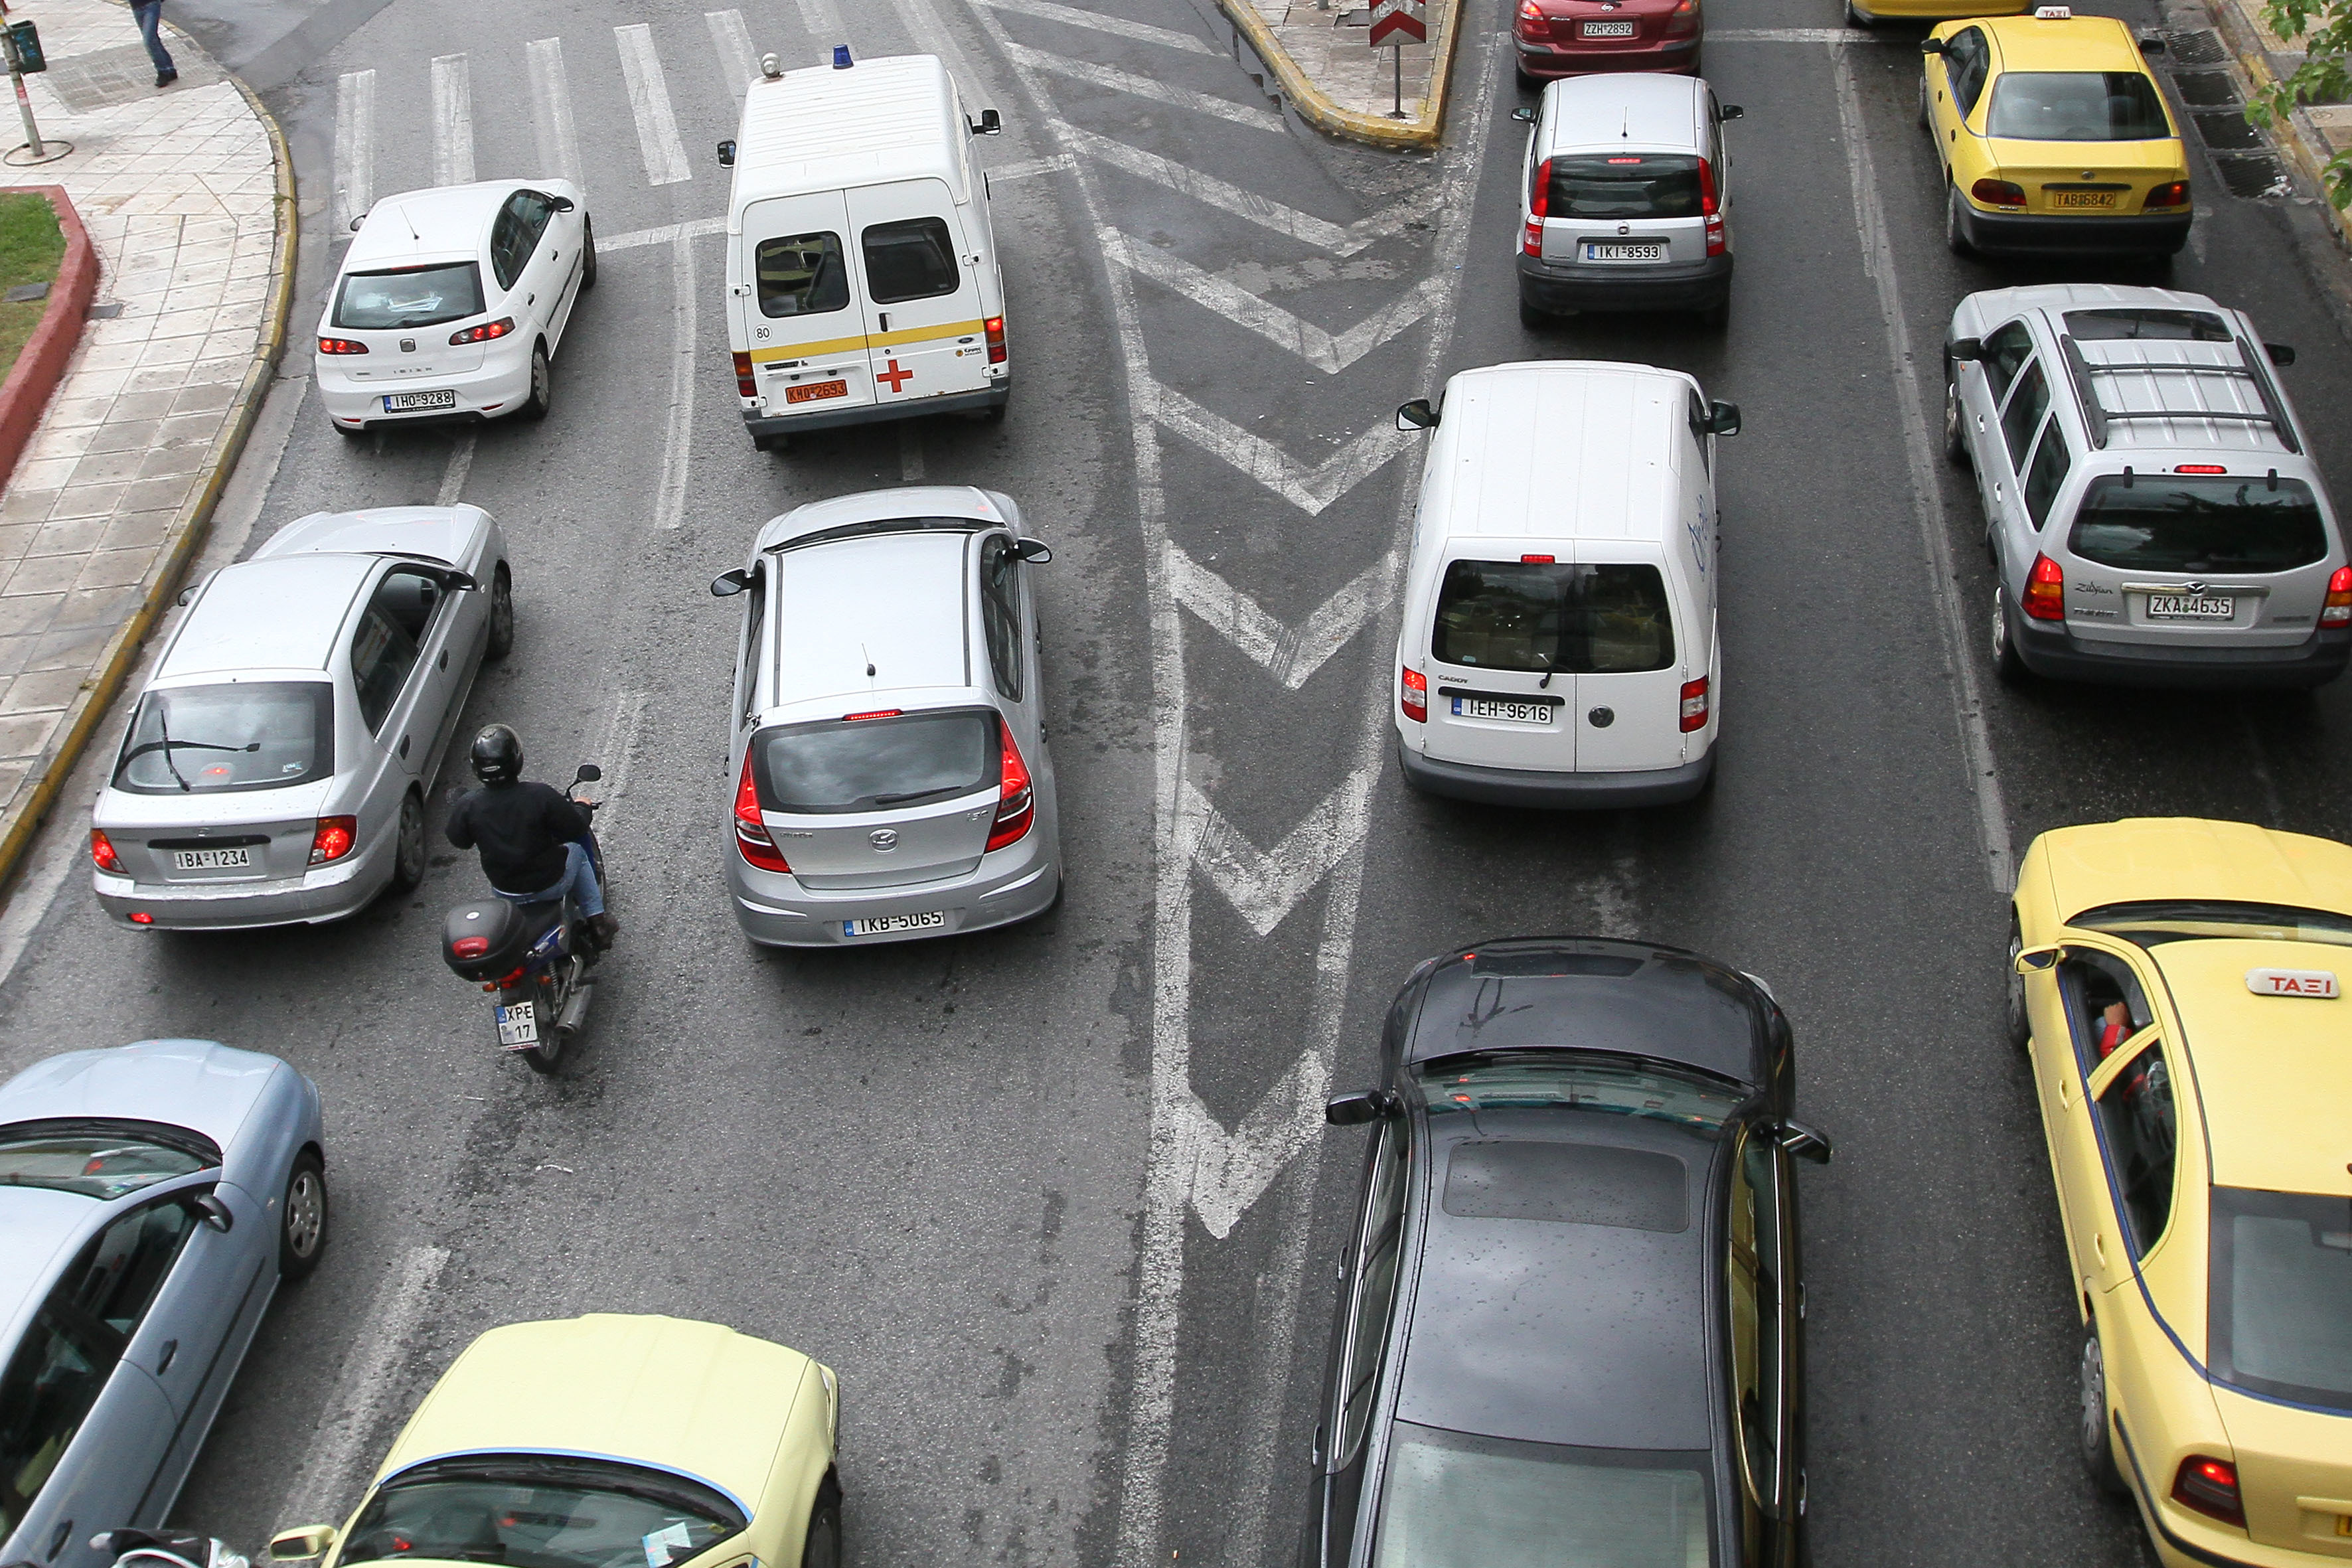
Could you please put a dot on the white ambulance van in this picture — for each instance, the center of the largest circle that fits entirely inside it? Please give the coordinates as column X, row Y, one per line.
column 862, row 276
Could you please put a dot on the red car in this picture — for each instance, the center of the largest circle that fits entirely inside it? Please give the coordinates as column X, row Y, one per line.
column 1577, row 37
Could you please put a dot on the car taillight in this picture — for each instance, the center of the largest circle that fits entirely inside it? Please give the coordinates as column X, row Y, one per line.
column 994, row 326
column 342, row 346
column 745, row 386
column 1413, row 695
column 101, row 849
column 484, row 332
column 142, row 918
column 1694, row 705
column 2201, row 468
column 1682, row 19
column 2172, row 194
column 1538, row 202
column 332, row 839
column 1998, row 192
column 2337, row 613
column 1532, row 21
column 1709, row 209
column 2045, row 590
column 469, row 947
column 2210, row 1487
column 1016, row 803
column 751, row 839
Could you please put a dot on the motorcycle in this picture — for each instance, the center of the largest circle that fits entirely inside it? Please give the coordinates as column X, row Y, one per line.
column 534, row 957
column 156, row 1549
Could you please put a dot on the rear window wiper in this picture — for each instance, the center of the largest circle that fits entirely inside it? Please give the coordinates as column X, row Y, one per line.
column 904, row 796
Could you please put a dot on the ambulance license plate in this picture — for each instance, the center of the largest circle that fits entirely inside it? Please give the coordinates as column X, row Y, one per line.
column 885, row 925
column 209, row 860
column 816, row 391
column 1595, row 250
column 1608, row 29
column 2186, row 607
column 519, row 1025
column 2102, row 200
column 410, row 402
column 1508, row 712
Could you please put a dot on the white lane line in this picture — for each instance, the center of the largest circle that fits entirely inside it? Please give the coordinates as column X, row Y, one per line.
column 364, row 1394
column 649, row 103
column 1309, row 487
column 669, row 502
column 613, row 750
column 823, row 21
column 1269, row 320
column 1796, row 36
column 1289, row 654
column 1926, row 495
column 910, row 453
column 461, row 463
column 1028, row 167
column 1145, row 87
column 453, row 121
column 1262, row 211
column 661, row 234
column 550, row 109
column 355, row 146
column 1136, row 32
column 732, row 39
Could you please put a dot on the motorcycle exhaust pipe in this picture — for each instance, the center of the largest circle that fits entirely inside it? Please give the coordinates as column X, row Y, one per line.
column 575, row 1009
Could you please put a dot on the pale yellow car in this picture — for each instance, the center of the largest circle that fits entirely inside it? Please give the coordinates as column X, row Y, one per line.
column 2179, row 985
column 605, row 1441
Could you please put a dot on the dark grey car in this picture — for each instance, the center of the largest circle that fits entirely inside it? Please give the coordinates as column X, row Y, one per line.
column 1569, row 1317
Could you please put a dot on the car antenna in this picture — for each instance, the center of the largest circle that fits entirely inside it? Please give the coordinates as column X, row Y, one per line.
column 409, row 227
column 869, row 661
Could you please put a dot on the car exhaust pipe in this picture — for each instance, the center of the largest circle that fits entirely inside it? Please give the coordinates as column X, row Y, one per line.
column 575, row 1009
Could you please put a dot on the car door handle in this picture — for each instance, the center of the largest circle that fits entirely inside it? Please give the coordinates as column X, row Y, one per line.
column 163, row 1362
column 59, row 1537
column 444, row 660
column 885, row 318
column 2066, row 1092
column 2099, row 1247
column 531, row 299
column 404, row 748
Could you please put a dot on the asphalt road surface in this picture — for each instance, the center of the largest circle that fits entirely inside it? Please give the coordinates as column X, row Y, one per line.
column 1056, row 1201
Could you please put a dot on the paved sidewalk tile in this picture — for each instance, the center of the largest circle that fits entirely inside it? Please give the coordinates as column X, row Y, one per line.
column 1327, row 42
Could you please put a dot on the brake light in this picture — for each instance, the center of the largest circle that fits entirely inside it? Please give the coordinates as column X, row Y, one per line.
column 1709, row 209
column 1998, row 192
column 1016, row 803
column 142, row 918
column 1535, row 559
column 484, row 332
column 1694, row 705
column 1532, row 20
column 101, row 848
column 995, row 327
column 2045, row 590
column 2210, row 1487
column 752, row 840
column 745, row 386
column 1682, row 19
column 1412, row 700
column 2338, row 610
column 1538, row 202
column 469, row 947
column 877, row 714
column 342, row 346
column 2172, row 194
column 2201, row 468
column 332, row 839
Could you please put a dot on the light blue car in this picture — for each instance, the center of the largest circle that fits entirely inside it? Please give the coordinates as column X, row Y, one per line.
column 151, row 1197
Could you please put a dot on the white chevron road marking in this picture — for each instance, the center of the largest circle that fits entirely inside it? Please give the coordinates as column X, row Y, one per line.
column 1269, row 320
column 1264, row 886
column 1262, row 211
column 1309, row 487
column 1289, row 654
column 1145, row 87
column 1136, row 32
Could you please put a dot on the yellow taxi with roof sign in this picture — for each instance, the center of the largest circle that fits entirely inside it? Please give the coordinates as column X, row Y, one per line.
column 605, row 1441
column 2054, row 138
column 2178, row 984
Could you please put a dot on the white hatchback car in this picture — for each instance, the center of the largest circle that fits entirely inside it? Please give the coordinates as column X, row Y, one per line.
column 451, row 304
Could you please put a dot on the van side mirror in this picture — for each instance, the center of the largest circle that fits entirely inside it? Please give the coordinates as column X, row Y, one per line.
column 1964, row 351
column 1416, row 416
column 728, row 583
column 727, row 154
column 1034, row 550
column 2281, row 353
column 1364, row 1105
column 1524, row 116
column 988, row 123
column 1931, row 45
column 1728, row 111
column 213, row 1212
column 2034, row 960
column 302, row 1543
column 1803, row 1142
column 561, row 204
column 1723, row 418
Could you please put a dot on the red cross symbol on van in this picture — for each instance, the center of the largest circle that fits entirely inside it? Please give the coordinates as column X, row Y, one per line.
column 897, row 378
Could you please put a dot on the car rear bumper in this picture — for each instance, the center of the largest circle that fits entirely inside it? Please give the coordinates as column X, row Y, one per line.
column 328, row 893
column 2042, row 234
column 2059, row 654
column 776, row 910
column 497, row 389
column 994, row 396
column 1559, row 792
column 1681, row 286
column 1546, row 62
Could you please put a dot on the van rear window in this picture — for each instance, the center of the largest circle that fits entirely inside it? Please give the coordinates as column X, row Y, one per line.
column 1625, row 185
column 866, row 764
column 802, row 275
column 1576, row 617
column 2193, row 522
column 912, row 259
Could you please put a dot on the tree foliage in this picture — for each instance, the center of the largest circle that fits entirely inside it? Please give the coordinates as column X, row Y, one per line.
column 2322, row 30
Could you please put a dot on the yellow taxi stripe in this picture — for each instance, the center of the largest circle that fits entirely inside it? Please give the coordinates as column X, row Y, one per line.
column 972, row 328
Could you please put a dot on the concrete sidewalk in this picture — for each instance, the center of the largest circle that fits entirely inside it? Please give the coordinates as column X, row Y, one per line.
column 2312, row 134
column 187, row 194
column 1339, row 83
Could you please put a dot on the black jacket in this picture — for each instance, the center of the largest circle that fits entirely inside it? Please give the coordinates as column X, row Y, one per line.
column 521, row 830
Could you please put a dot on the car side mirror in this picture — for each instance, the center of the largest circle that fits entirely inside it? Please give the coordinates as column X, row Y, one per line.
column 301, row 1544
column 561, row 204
column 1931, row 45
column 1803, row 1142
column 1965, row 351
column 1362, row 1106
column 1723, row 418
column 1524, row 116
column 589, row 774
column 2034, row 960
column 1034, row 550
column 2281, row 353
column 357, row 220
column 460, row 582
column 728, row 583
column 1416, row 416
column 727, row 154
column 187, row 593
column 988, row 123
column 1729, row 111
column 214, row 1212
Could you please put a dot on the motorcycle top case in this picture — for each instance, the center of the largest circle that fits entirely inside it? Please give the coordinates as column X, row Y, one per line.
column 490, row 940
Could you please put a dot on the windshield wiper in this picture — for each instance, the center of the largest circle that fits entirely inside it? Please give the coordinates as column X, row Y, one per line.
column 167, row 745
column 902, row 797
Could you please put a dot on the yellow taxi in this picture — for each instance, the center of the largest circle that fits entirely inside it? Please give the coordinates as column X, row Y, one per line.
column 605, row 1441
column 2054, row 138
column 2179, row 987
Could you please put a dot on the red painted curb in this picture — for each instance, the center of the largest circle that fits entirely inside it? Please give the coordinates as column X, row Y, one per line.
column 43, row 364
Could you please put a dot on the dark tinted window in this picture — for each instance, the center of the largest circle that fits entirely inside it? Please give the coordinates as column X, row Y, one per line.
column 1569, row 616
column 802, row 275
column 418, row 297
column 45, row 1395
column 2005, row 353
column 1753, row 1272
column 382, row 652
column 1000, row 612
column 1380, row 1239
column 2282, row 1294
column 1964, row 64
column 259, row 734
column 119, row 1279
column 2152, row 923
column 915, row 259
column 96, row 1164
column 531, row 1513
column 1614, row 1086
column 1452, row 1500
column 2047, row 471
column 755, row 642
column 2136, row 321
column 2138, row 1116
column 2076, row 106
column 1624, row 185
column 2196, row 522
column 509, row 245
column 2022, row 414
column 1572, row 1183
column 864, row 765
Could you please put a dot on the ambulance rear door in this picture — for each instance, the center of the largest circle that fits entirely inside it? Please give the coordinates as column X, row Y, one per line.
column 797, row 306
column 923, row 309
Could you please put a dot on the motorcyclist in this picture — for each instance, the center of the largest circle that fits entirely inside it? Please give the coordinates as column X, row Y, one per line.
column 530, row 835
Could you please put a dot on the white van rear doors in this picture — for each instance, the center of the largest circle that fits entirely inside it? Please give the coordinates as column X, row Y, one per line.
column 1629, row 692
column 923, row 311
column 1494, row 626
column 796, row 307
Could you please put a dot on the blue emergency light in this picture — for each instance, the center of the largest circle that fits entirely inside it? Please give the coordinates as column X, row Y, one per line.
column 841, row 60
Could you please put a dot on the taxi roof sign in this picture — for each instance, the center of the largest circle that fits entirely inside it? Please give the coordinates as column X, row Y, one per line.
column 2315, row 982
column 2054, row 13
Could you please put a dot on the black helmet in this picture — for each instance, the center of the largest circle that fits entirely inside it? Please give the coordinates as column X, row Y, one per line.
column 498, row 755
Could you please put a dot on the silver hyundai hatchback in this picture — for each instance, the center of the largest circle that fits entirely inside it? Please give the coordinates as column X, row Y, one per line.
column 275, row 767
column 888, row 745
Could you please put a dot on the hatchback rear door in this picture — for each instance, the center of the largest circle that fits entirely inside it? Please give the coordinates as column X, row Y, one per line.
column 1496, row 698
column 1611, row 211
column 1628, row 689
column 796, row 306
column 925, row 323
column 881, row 799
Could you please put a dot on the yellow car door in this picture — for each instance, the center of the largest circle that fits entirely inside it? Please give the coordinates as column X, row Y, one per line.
column 1951, row 84
column 2086, row 1009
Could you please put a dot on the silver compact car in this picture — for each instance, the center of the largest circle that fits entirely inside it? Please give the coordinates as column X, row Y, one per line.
column 153, row 1198
column 275, row 768
column 888, row 743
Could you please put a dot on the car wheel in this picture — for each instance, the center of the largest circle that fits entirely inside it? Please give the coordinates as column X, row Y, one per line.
column 2014, row 1016
column 2006, row 663
column 1956, row 445
column 1955, row 232
column 408, row 853
column 587, row 254
column 541, row 385
column 821, row 1548
column 1533, row 319
column 501, row 638
column 2094, row 1438
column 303, row 1226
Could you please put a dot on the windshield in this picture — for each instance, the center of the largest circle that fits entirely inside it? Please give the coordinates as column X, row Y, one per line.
column 1574, row 618
column 2281, row 1295
column 2194, row 522
column 2076, row 106
column 211, row 740
column 94, row 1164
column 528, row 1511
column 2153, row 923
column 1452, row 1501
column 417, row 297
column 866, row 764
column 1625, row 185
column 1475, row 1081
column 2144, row 323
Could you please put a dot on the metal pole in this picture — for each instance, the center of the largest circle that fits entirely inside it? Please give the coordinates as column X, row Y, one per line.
column 1396, row 50
column 24, row 99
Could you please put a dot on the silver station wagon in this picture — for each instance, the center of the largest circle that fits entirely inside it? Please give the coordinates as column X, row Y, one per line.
column 890, row 739
column 275, row 767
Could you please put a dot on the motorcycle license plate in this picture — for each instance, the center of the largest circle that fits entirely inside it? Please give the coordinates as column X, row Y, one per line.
column 519, row 1025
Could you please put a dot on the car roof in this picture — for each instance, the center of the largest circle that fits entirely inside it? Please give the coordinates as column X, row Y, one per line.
column 698, row 1399
column 983, row 509
column 416, row 227
column 821, row 129
column 1631, row 108
column 1561, row 449
column 279, row 613
column 444, row 532
column 2029, row 43
column 2141, row 859
column 201, row 1085
column 887, row 604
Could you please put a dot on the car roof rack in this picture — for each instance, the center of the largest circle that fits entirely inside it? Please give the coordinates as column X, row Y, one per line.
column 2097, row 417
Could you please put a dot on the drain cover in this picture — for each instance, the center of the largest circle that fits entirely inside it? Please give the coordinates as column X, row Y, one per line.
column 2200, row 46
column 2226, row 128
column 2206, row 88
column 2259, row 175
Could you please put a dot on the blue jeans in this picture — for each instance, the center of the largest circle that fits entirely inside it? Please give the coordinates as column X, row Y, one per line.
column 578, row 882
column 150, row 12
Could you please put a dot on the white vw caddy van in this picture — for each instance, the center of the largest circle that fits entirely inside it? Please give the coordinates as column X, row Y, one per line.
column 862, row 278
column 1558, row 646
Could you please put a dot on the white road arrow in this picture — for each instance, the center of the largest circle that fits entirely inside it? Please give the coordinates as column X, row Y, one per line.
column 1309, row 489
column 1265, row 885
column 1289, row 654
column 1262, row 211
column 1271, row 322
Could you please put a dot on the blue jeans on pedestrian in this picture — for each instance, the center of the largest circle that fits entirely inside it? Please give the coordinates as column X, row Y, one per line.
column 150, row 13
column 578, row 882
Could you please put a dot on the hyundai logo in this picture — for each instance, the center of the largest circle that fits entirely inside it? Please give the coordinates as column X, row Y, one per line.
column 884, row 839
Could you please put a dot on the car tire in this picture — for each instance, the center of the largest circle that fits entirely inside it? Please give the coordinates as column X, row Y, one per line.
column 500, row 641
column 1956, row 231
column 2094, row 1441
column 2006, row 661
column 1533, row 319
column 408, row 849
column 543, row 384
column 302, row 1217
column 1926, row 121
column 1956, row 443
column 547, row 1054
column 2015, row 1020
column 587, row 254
column 821, row 1547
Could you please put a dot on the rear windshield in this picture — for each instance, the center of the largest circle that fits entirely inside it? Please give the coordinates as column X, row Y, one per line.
column 216, row 739
column 528, row 1511
column 802, row 275
column 2161, row 326
column 869, row 765
column 2199, row 523
column 96, row 1163
column 1452, row 1501
column 1575, row 618
column 2281, row 1295
column 914, row 259
column 1625, row 185
column 2076, row 106
column 419, row 297
column 2156, row 923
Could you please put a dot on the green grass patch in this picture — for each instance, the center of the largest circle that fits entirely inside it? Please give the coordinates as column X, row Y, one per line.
column 31, row 245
